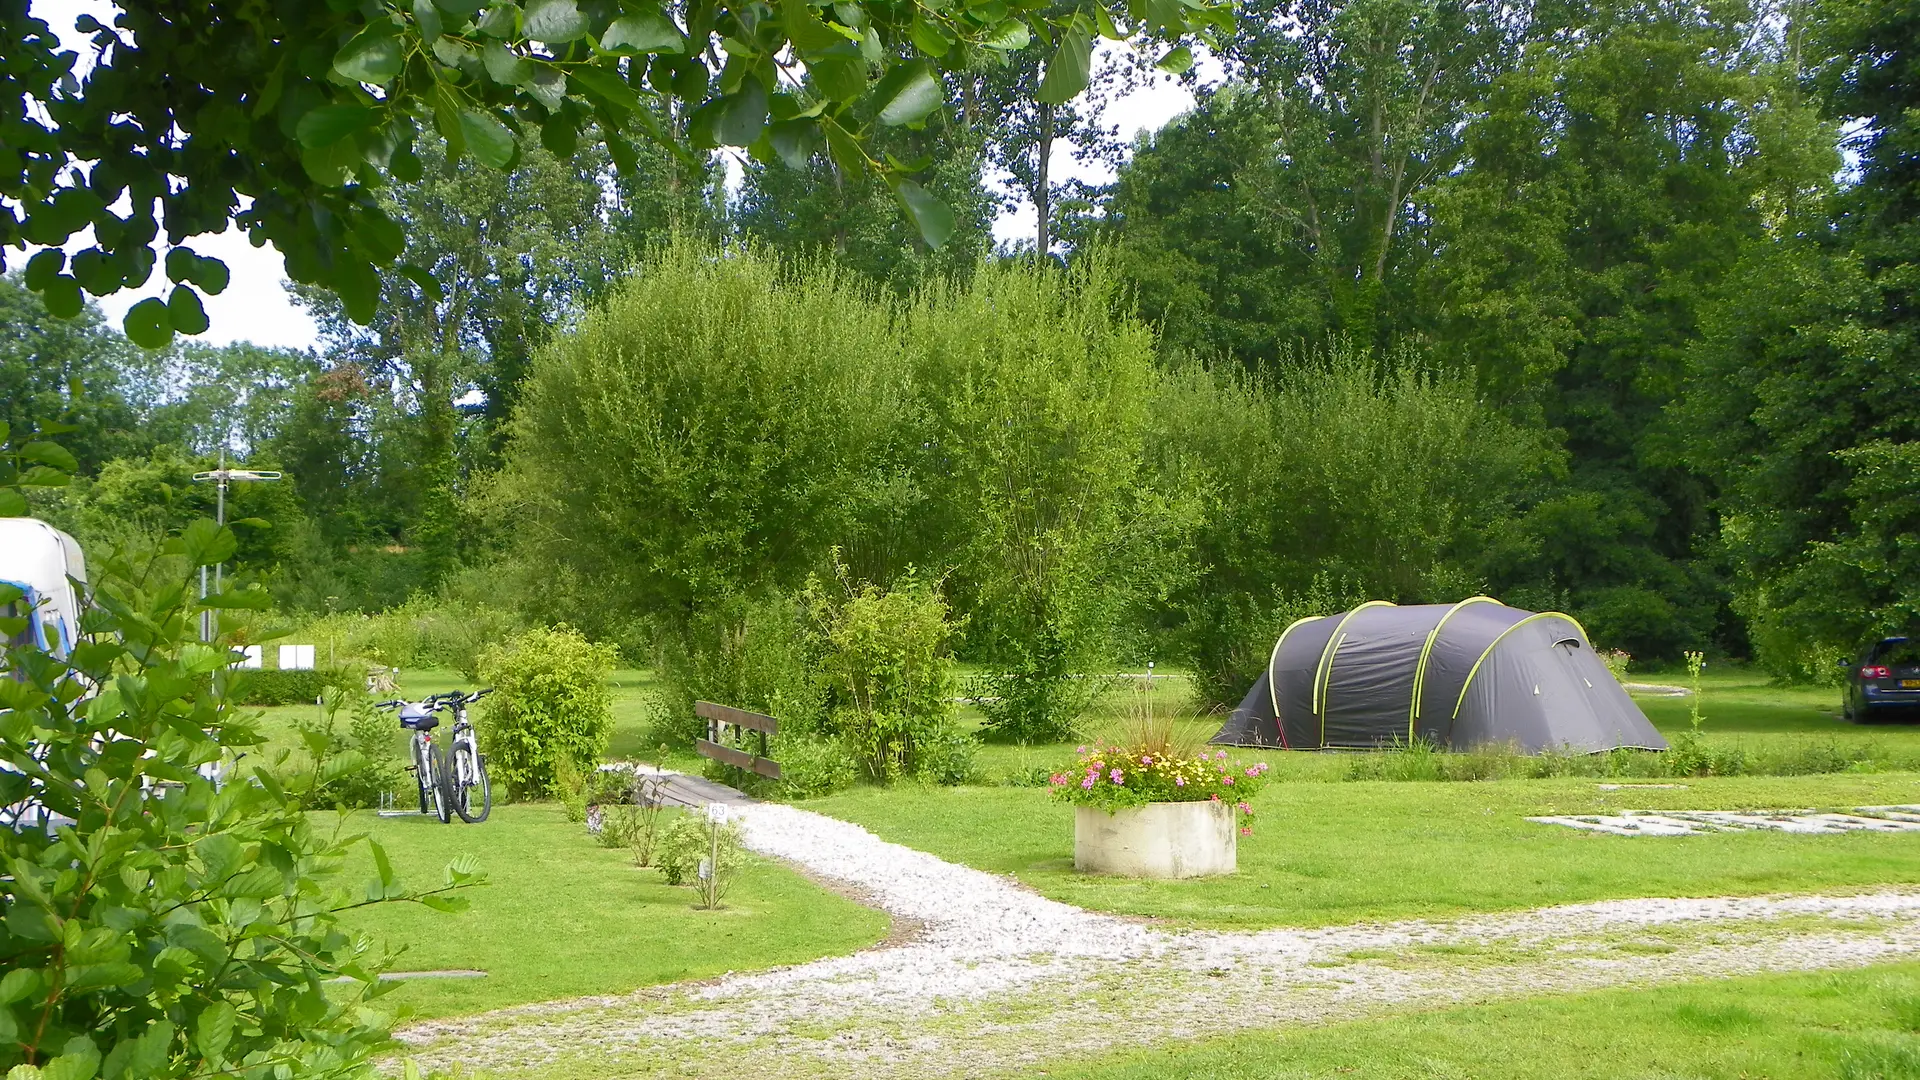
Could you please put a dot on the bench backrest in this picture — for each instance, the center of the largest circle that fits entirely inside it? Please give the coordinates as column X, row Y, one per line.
column 716, row 746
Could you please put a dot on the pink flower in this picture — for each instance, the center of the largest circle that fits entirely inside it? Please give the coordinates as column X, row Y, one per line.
column 1215, row 797
column 1056, row 779
column 1222, row 755
column 1246, row 830
column 1145, row 760
column 1252, row 771
column 1226, row 779
column 1116, row 776
column 1088, row 782
column 1179, row 781
column 1244, row 808
column 1080, row 750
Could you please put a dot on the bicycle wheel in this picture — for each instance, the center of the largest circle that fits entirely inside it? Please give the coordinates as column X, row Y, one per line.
column 442, row 788
column 469, row 776
column 422, row 774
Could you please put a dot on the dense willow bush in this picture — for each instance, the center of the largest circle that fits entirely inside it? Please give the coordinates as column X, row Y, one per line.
column 705, row 442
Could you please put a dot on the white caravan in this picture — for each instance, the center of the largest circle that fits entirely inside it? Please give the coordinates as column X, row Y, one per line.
column 46, row 564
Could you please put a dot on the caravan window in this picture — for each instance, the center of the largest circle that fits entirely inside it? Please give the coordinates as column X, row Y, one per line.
column 15, row 609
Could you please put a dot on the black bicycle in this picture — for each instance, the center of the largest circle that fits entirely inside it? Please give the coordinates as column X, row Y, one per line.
column 466, row 772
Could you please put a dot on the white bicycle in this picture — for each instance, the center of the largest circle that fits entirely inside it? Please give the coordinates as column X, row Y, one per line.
column 466, row 767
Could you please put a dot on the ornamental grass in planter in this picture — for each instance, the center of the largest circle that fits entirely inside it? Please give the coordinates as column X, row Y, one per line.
column 1147, row 807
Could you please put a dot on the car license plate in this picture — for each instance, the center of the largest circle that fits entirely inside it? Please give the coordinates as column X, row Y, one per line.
column 1910, row 684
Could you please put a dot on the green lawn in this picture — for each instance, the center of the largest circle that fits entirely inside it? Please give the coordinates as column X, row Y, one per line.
column 1327, row 853
column 561, row 916
column 1849, row 1025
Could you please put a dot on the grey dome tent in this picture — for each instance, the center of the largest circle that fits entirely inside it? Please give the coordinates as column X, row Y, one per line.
column 1475, row 673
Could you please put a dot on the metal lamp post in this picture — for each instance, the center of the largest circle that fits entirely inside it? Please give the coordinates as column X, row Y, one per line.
column 222, row 476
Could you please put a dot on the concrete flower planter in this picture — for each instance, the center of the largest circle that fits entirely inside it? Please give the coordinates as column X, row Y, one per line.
column 1158, row 840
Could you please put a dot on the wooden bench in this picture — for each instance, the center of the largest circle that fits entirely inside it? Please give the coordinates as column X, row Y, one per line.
column 722, row 718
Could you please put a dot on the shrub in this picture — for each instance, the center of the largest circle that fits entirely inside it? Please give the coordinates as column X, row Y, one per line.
column 270, row 686
column 753, row 653
column 812, row 765
column 690, row 840
column 422, row 632
column 550, row 702
column 358, row 766
column 1617, row 661
column 890, row 678
column 629, row 813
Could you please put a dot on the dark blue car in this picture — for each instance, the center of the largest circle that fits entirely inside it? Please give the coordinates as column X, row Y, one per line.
column 1885, row 684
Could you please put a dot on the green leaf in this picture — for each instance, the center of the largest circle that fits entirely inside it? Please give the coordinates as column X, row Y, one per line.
column 605, row 86
column 41, row 476
column 333, row 165
column 205, row 542
column 1103, row 21
column 1009, row 36
column 844, row 148
column 209, row 274
column 549, row 87
column 358, row 286
column 94, row 976
column 932, row 217
column 1164, row 15
column 150, row 1049
column 794, row 142
column 1070, row 68
column 373, row 57
column 840, row 78
column 1177, row 61
column 62, row 297
column 41, row 269
column 929, row 38
column 423, row 278
column 12, row 503
column 908, row 95
column 148, row 325
column 554, row 21
column 17, row 984
column 185, row 311
column 260, row 882
column 649, row 32
column 214, row 1031
column 501, row 21
column 489, row 140
column 441, row 902
column 428, row 17
column 743, row 116
column 381, row 863
column 250, row 598
column 463, row 9
column 503, row 66
column 50, row 453
column 327, row 125
column 70, row 1066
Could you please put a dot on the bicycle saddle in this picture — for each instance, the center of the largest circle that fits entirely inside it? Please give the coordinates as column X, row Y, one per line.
column 418, row 717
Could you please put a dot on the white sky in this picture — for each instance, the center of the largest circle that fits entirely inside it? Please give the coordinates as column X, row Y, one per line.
column 255, row 306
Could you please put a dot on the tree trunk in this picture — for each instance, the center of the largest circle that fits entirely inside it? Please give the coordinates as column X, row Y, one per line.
column 1042, row 201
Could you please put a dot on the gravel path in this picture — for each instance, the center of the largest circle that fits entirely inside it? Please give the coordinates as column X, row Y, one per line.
column 1000, row 978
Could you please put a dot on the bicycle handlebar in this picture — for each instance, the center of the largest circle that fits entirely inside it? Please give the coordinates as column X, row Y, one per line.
column 440, row 701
